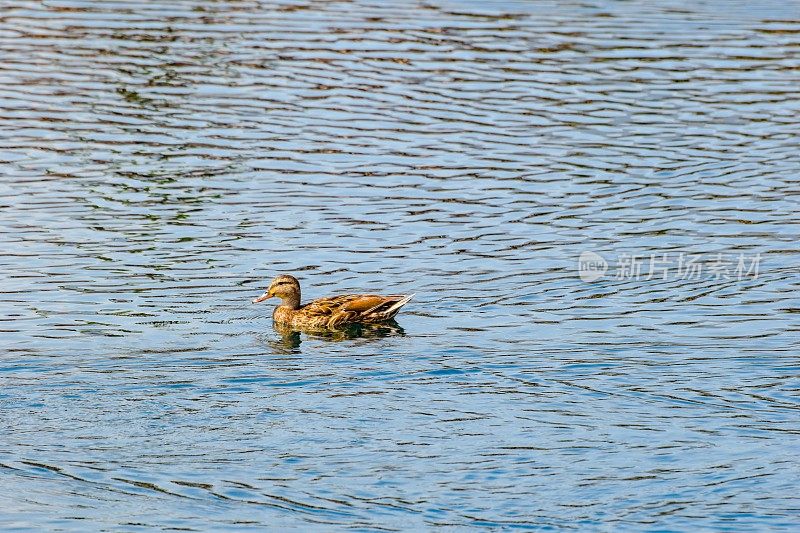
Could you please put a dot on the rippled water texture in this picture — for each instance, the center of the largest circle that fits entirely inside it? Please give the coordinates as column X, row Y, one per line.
column 161, row 160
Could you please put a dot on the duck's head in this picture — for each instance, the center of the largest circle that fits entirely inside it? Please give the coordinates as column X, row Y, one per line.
column 285, row 287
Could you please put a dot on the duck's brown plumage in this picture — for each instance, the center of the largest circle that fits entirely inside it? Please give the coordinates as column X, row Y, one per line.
column 331, row 312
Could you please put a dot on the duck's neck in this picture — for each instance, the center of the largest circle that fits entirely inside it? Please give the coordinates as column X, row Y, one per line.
column 291, row 301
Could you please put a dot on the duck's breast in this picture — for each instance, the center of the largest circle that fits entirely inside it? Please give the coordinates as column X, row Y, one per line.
column 282, row 314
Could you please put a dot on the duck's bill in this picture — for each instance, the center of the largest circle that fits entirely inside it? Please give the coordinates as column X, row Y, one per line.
column 263, row 297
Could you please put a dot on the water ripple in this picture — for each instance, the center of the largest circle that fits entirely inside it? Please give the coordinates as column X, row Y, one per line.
column 161, row 160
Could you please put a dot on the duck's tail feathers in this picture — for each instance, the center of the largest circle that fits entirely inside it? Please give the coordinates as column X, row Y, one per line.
column 392, row 310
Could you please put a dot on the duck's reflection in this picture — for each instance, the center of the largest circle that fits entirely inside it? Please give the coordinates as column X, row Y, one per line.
column 290, row 339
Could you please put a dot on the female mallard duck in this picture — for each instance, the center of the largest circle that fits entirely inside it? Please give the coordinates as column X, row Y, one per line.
column 331, row 312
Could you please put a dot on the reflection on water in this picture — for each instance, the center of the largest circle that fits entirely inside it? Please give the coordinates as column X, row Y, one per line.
column 291, row 339
column 160, row 160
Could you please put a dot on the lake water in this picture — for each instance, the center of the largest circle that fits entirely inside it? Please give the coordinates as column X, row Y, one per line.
column 160, row 161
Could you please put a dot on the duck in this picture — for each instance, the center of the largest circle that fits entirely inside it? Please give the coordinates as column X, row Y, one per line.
column 331, row 312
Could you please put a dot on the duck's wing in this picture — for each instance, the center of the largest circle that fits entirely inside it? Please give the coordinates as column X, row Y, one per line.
column 365, row 308
column 353, row 308
column 329, row 306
